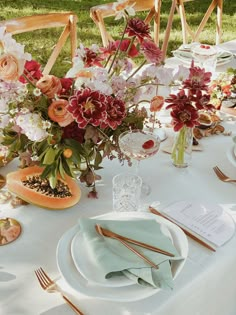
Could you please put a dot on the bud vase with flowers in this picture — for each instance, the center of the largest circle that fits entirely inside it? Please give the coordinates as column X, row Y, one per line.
column 191, row 98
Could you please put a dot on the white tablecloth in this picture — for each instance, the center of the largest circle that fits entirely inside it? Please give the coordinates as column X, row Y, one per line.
column 205, row 286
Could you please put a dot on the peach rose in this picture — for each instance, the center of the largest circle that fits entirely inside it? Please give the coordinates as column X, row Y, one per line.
column 49, row 85
column 156, row 103
column 58, row 112
column 9, row 67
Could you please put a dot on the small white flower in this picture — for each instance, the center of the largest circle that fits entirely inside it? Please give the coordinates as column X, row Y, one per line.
column 46, row 124
column 20, row 98
column 37, row 92
column 34, row 158
column 24, row 110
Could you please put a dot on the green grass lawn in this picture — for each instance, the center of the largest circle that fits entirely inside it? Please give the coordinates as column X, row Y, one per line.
column 40, row 44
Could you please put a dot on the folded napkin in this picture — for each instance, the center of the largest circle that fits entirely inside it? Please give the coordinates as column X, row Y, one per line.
column 111, row 258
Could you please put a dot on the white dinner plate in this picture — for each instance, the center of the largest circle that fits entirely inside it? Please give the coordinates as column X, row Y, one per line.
column 185, row 56
column 85, row 266
column 231, row 154
column 133, row 292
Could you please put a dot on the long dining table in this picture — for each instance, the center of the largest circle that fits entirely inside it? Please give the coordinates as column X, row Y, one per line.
column 206, row 284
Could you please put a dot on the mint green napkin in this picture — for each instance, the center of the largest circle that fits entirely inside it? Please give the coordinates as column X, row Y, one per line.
column 111, row 258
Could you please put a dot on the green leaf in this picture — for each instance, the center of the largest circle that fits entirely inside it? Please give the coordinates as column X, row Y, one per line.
column 98, row 159
column 67, row 168
column 53, row 180
column 47, row 170
column 50, row 155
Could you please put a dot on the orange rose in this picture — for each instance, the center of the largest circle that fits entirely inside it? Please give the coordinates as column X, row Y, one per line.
column 58, row 112
column 156, row 103
column 9, row 67
column 49, row 85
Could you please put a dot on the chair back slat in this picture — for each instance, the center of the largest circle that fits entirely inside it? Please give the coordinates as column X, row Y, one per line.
column 67, row 20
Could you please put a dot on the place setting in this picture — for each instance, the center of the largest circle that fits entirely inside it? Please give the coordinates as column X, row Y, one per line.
column 105, row 268
column 202, row 53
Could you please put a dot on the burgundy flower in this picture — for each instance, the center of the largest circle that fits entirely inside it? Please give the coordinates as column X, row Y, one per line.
column 88, row 107
column 178, row 100
column 91, row 58
column 151, row 51
column 108, row 50
column 197, row 80
column 72, row 131
column 66, row 84
column 116, row 112
column 202, row 101
column 32, row 71
column 184, row 115
column 137, row 27
column 125, row 45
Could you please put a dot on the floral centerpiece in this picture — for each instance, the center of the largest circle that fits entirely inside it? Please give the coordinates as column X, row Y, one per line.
column 69, row 125
column 223, row 88
column 191, row 99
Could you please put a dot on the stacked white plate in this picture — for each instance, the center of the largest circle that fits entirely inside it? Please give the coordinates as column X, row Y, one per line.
column 78, row 270
column 184, row 54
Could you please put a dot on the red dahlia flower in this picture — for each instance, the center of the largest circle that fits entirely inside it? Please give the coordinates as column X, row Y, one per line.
column 72, row 131
column 116, row 112
column 125, row 45
column 137, row 27
column 151, row 51
column 32, row 71
column 88, row 107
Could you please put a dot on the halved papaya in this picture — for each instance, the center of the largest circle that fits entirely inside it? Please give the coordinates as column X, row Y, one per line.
column 27, row 184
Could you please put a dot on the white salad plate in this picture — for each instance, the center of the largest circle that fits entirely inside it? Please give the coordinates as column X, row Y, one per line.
column 132, row 292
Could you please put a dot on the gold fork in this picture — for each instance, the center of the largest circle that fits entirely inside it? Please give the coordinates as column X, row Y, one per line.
column 222, row 176
column 51, row 287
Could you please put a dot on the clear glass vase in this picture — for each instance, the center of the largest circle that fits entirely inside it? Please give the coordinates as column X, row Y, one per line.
column 182, row 147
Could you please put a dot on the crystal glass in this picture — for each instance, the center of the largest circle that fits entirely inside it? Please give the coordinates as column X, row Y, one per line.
column 139, row 145
column 206, row 56
column 126, row 192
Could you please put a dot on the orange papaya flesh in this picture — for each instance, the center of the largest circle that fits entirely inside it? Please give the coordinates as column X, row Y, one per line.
column 27, row 185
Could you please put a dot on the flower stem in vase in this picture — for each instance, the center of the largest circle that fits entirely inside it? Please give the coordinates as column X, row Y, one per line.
column 182, row 148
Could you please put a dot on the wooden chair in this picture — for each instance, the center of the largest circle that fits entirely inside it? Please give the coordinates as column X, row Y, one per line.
column 186, row 30
column 67, row 20
column 99, row 12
